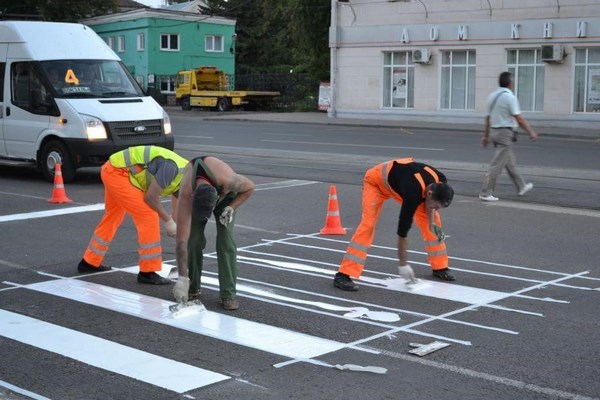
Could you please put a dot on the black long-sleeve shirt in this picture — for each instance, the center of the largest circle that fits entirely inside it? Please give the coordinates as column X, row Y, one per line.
column 402, row 181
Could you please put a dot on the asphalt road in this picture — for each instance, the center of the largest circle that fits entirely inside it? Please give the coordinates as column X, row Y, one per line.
column 521, row 320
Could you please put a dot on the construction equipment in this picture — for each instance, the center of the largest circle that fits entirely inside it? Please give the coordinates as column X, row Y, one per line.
column 210, row 87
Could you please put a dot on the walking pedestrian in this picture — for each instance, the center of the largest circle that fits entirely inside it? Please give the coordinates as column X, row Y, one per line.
column 134, row 180
column 421, row 190
column 209, row 186
column 504, row 117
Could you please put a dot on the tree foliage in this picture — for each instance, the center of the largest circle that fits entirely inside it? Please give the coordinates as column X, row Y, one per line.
column 57, row 10
column 278, row 35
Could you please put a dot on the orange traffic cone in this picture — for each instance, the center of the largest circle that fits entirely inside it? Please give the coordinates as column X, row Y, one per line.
column 333, row 224
column 58, row 193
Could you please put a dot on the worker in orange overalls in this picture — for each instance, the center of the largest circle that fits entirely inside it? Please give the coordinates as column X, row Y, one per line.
column 134, row 180
column 421, row 190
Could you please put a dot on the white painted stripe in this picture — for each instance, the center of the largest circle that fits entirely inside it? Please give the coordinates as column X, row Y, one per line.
column 337, row 144
column 107, row 355
column 27, row 393
column 545, row 208
column 223, row 327
column 52, row 213
column 438, row 290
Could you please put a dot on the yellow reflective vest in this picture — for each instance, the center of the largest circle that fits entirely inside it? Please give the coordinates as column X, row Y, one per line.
column 136, row 160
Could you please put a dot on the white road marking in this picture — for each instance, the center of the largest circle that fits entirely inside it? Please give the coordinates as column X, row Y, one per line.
column 247, row 333
column 545, row 208
column 31, row 395
column 107, row 355
column 337, row 144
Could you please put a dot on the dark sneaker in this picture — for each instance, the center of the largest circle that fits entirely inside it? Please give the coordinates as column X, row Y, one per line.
column 152, row 278
column 86, row 268
column 443, row 274
column 196, row 295
column 343, row 281
column 230, row 304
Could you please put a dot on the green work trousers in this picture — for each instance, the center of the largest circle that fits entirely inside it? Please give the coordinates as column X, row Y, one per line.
column 226, row 253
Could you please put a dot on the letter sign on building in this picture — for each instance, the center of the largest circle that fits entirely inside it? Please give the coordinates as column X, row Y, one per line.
column 462, row 32
column 514, row 31
column 405, row 38
column 434, row 33
column 547, row 30
column 581, row 29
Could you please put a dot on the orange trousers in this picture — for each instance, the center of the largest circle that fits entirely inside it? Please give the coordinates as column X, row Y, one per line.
column 375, row 192
column 120, row 198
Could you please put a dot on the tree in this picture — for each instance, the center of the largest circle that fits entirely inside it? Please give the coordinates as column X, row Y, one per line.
column 58, row 10
column 278, row 35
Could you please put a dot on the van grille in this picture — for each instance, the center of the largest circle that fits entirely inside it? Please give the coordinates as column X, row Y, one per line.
column 135, row 130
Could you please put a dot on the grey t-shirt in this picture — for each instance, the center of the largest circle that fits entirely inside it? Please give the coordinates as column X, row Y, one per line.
column 163, row 170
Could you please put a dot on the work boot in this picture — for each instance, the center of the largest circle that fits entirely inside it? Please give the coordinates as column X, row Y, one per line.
column 86, row 268
column 443, row 274
column 195, row 295
column 152, row 278
column 230, row 304
column 343, row 281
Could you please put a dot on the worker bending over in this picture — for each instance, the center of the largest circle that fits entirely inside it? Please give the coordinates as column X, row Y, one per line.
column 209, row 186
column 421, row 190
column 134, row 180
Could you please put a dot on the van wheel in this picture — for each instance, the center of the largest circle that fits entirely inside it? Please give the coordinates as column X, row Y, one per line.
column 185, row 104
column 54, row 152
column 223, row 104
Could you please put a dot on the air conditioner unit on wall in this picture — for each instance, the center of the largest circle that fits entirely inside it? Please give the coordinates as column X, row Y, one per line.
column 422, row 56
column 553, row 53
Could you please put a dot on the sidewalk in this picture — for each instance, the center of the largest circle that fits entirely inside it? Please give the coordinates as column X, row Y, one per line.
column 321, row 118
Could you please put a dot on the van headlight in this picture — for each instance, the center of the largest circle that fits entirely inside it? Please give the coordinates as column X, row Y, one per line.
column 166, row 123
column 94, row 128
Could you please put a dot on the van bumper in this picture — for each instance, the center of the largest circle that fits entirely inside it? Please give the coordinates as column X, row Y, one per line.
column 86, row 153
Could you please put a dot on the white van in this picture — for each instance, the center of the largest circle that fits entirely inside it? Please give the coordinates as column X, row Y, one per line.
column 66, row 97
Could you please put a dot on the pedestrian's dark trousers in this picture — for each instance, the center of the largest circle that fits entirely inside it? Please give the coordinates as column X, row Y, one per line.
column 226, row 252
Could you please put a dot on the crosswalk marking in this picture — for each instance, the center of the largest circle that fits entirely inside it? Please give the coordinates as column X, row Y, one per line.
column 224, row 327
column 102, row 353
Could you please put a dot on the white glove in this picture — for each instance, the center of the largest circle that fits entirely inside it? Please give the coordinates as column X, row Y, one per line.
column 181, row 289
column 406, row 272
column 226, row 215
column 171, row 228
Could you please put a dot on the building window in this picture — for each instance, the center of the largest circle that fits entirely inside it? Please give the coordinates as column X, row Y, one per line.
column 587, row 80
column 169, row 42
column 213, row 43
column 167, row 84
column 140, row 80
column 110, row 41
column 121, row 44
column 458, row 80
column 141, row 42
column 398, row 80
column 528, row 74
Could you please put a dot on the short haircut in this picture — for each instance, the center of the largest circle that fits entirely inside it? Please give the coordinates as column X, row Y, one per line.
column 443, row 193
column 205, row 199
column 505, row 79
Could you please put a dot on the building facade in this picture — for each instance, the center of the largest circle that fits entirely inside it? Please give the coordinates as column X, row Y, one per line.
column 439, row 59
column 155, row 44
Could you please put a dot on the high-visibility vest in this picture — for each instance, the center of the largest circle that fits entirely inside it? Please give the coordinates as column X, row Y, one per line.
column 136, row 160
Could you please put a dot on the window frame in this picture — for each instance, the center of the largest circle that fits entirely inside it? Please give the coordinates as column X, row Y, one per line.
column 587, row 67
column 141, row 41
column 169, row 41
column 469, row 103
column 212, row 39
column 537, row 99
column 392, row 70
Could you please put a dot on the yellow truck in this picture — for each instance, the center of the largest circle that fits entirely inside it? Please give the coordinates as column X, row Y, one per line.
column 209, row 87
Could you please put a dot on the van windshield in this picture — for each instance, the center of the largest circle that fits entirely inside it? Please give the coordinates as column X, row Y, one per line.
column 90, row 79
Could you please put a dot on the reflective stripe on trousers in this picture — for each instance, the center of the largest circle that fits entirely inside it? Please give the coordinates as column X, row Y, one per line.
column 121, row 197
column 375, row 192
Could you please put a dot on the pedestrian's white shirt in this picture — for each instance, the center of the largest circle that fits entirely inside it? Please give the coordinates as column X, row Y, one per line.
column 506, row 107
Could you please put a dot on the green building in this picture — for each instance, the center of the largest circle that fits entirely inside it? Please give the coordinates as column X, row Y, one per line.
column 155, row 44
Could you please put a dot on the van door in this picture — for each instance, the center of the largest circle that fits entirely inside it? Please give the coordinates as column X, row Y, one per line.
column 3, row 49
column 27, row 112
